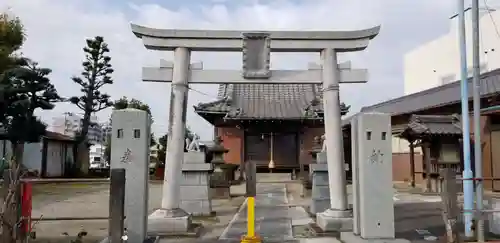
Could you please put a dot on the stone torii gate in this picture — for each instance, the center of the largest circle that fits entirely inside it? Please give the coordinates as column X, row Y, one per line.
column 256, row 47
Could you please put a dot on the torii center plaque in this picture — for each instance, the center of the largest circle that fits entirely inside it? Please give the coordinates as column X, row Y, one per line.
column 256, row 56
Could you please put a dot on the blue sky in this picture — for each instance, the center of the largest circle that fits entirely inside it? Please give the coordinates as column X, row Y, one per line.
column 57, row 30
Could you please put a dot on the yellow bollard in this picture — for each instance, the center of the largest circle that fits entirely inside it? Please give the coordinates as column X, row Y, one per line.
column 250, row 237
column 251, row 217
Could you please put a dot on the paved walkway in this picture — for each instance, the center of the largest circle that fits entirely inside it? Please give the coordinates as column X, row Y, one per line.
column 403, row 197
column 273, row 216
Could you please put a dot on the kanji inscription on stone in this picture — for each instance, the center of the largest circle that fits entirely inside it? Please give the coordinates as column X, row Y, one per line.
column 127, row 156
column 376, row 157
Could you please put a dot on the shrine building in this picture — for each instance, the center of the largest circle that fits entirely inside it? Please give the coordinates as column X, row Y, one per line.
column 264, row 122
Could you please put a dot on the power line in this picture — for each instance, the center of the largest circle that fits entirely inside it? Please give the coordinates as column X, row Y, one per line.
column 203, row 93
column 492, row 19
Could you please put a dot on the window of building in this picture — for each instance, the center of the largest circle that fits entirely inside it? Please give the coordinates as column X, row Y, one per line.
column 368, row 135
column 119, row 133
column 137, row 133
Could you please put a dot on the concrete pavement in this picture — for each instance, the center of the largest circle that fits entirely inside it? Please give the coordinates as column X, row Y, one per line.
column 271, row 213
column 274, row 219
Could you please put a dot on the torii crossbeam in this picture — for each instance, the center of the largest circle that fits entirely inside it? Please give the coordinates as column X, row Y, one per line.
column 197, row 75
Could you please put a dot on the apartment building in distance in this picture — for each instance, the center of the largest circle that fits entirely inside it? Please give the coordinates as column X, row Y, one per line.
column 70, row 124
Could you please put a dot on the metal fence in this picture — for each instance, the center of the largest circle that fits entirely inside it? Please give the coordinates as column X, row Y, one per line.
column 453, row 211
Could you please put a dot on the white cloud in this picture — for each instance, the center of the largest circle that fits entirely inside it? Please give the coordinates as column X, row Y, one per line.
column 57, row 29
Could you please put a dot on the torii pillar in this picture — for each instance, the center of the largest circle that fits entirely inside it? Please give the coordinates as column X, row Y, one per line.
column 256, row 47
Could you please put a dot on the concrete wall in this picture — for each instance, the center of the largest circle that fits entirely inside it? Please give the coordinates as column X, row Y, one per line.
column 32, row 157
column 436, row 62
column 57, row 154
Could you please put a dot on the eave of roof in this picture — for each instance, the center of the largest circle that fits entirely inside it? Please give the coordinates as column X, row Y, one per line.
column 141, row 31
column 259, row 101
column 434, row 125
column 447, row 94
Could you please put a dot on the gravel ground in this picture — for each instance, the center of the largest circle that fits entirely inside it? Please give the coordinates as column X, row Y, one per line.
column 76, row 201
column 91, row 200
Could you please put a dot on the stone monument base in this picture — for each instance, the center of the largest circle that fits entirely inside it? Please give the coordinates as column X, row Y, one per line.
column 334, row 220
column 350, row 237
column 169, row 222
column 319, row 205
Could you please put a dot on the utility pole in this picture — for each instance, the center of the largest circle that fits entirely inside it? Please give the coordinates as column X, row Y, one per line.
column 477, row 121
column 467, row 171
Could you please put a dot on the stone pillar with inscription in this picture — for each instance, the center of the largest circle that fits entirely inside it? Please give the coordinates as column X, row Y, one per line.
column 130, row 150
column 373, row 193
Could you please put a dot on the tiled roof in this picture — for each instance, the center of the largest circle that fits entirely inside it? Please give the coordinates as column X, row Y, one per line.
column 433, row 125
column 273, row 101
column 58, row 136
column 48, row 134
column 222, row 105
column 267, row 101
column 440, row 96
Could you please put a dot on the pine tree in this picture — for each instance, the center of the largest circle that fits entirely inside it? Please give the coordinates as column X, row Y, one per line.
column 96, row 73
column 24, row 88
column 34, row 91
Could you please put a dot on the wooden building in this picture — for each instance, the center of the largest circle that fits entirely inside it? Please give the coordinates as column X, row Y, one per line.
column 439, row 137
column 260, row 122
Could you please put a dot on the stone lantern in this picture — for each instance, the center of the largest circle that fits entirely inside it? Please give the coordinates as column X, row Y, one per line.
column 218, row 150
column 317, row 146
column 220, row 180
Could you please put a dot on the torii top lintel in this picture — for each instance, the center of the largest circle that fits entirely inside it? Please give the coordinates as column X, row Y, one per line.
column 280, row 41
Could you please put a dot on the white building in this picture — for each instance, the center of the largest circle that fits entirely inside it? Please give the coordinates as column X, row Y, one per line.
column 70, row 124
column 438, row 61
column 96, row 156
column 106, row 132
column 66, row 124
